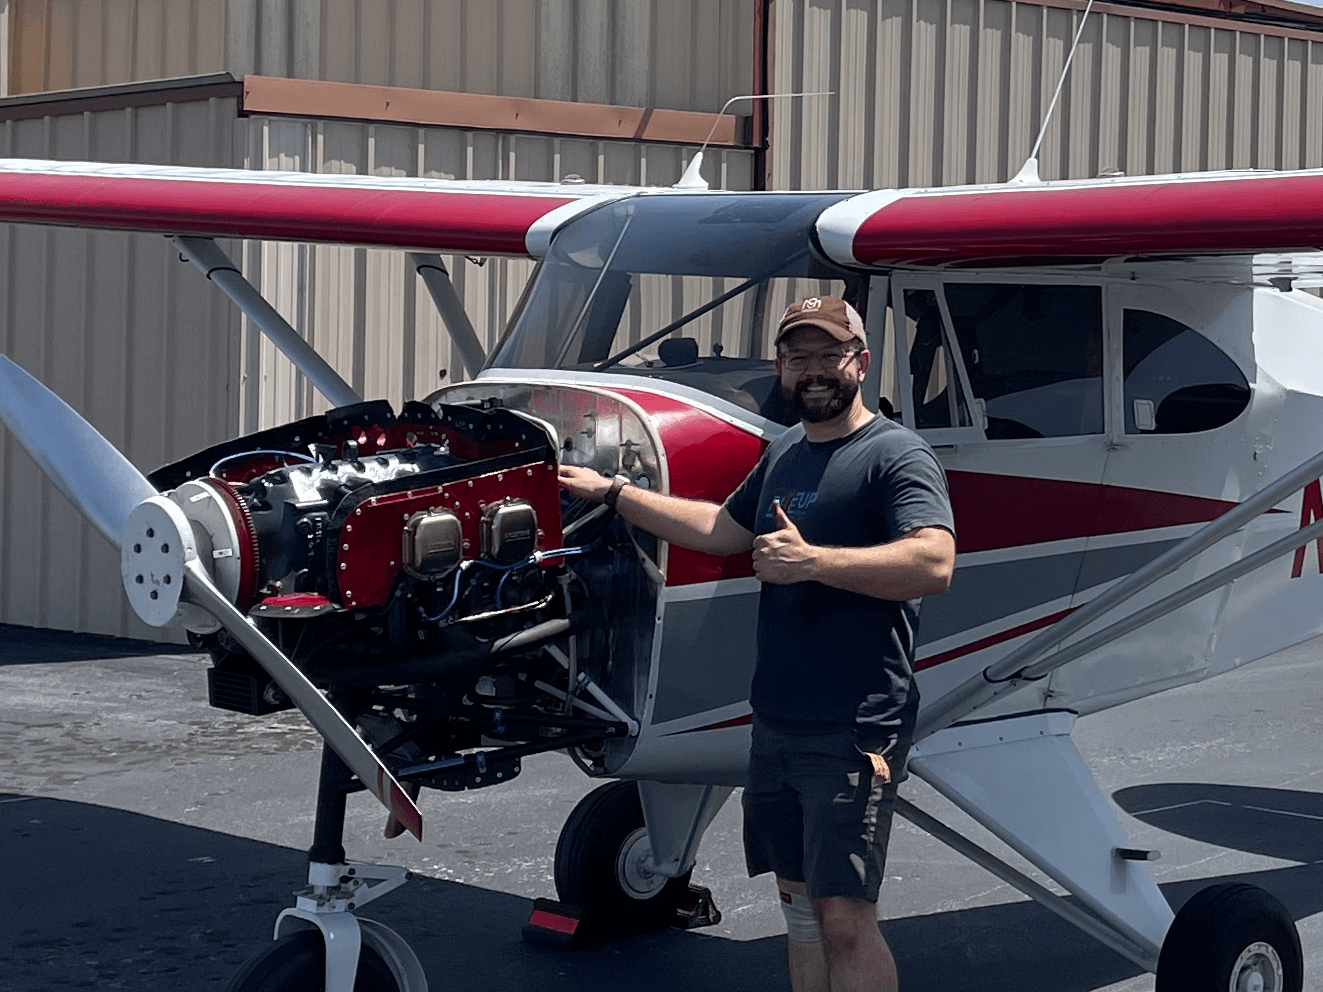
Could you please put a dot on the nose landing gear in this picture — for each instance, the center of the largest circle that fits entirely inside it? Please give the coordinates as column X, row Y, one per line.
column 321, row 946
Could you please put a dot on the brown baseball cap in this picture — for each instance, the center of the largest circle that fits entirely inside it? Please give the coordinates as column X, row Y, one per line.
column 827, row 313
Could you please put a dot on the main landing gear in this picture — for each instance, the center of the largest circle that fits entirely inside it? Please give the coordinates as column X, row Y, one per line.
column 1231, row 937
column 603, row 863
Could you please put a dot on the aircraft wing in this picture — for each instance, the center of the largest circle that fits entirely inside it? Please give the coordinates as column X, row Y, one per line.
column 478, row 218
column 1087, row 221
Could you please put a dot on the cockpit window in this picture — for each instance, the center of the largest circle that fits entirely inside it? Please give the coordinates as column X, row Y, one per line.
column 1176, row 380
column 681, row 287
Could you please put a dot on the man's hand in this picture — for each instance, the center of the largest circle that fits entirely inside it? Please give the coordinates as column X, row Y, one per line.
column 584, row 483
column 782, row 556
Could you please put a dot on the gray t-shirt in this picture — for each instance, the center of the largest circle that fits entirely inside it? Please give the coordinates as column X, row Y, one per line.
column 829, row 658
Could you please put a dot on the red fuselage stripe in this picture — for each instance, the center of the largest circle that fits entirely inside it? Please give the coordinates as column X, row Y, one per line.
column 442, row 220
column 738, row 721
column 930, row 662
column 986, row 642
column 991, row 510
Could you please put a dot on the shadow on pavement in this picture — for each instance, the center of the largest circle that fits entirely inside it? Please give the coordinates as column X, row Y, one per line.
column 33, row 646
column 107, row 899
column 1277, row 823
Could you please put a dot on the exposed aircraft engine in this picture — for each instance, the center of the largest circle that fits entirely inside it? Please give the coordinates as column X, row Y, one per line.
column 422, row 550
column 377, row 509
column 427, row 573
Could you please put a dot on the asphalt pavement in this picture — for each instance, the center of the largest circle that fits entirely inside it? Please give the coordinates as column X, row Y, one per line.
column 151, row 841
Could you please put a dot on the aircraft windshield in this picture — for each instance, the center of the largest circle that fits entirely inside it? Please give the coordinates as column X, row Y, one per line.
column 686, row 287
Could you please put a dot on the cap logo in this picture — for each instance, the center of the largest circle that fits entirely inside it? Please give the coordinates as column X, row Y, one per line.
column 812, row 303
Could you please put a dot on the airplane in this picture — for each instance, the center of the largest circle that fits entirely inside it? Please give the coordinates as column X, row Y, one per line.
column 1116, row 373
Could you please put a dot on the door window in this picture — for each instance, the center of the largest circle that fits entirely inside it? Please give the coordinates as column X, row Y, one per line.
column 1034, row 356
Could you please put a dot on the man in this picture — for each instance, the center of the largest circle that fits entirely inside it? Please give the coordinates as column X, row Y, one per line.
column 849, row 521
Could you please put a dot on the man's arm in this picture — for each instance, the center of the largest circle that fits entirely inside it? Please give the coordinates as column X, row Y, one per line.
column 690, row 523
column 918, row 563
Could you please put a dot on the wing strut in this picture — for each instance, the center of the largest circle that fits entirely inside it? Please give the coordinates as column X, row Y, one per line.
column 436, row 278
column 216, row 266
column 1026, row 663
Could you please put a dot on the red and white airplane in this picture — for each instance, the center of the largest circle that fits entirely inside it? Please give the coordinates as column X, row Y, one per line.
column 1119, row 381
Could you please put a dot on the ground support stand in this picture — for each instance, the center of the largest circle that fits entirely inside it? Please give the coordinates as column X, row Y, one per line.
column 567, row 927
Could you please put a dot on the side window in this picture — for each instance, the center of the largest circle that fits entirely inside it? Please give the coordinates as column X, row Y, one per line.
column 1176, row 380
column 937, row 398
column 1034, row 356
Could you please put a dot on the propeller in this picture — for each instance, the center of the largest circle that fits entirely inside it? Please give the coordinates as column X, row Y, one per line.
column 159, row 561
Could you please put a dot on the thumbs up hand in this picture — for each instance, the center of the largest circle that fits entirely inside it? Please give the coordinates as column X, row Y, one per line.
column 782, row 556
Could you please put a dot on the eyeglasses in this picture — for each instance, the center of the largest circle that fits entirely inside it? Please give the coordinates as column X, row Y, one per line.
column 832, row 359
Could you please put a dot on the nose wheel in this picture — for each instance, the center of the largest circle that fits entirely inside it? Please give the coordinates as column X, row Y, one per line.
column 1231, row 938
column 297, row 963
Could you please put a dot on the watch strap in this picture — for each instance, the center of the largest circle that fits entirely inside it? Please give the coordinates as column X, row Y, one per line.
column 613, row 494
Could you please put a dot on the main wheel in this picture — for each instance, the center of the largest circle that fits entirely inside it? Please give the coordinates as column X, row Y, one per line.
column 1231, row 938
column 601, row 864
column 297, row 963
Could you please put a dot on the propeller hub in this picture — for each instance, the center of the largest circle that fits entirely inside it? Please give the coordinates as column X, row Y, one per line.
column 156, row 544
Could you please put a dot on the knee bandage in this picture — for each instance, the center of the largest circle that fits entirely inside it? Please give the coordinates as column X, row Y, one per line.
column 801, row 924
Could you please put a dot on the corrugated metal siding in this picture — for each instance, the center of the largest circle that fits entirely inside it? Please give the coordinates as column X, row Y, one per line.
column 163, row 365
column 675, row 54
column 125, row 334
column 941, row 92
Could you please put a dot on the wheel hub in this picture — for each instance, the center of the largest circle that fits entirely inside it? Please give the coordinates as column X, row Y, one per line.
column 634, row 877
column 1258, row 969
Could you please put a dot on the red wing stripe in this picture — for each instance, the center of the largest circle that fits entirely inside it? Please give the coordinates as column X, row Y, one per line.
column 438, row 219
column 1162, row 216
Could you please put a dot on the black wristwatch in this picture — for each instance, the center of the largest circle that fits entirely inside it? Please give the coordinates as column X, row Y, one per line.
column 613, row 494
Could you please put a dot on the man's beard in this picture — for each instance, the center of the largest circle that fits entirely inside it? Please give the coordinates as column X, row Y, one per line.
column 825, row 407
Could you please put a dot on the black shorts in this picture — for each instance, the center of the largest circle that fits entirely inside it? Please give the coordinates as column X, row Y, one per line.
column 812, row 815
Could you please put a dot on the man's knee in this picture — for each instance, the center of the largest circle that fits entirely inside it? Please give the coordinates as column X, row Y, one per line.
column 801, row 921
column 844, row 920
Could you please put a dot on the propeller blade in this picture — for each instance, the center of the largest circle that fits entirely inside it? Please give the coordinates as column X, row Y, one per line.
column 88, row 470
column 160, row 567
column 324, row 717
column 158, row 560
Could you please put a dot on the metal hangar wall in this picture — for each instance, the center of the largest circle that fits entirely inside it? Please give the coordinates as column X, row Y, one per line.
column 925, row 92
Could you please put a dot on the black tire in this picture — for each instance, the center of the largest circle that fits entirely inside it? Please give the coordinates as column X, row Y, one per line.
column 592, row 869
column 1226, row 933
column 297, row 963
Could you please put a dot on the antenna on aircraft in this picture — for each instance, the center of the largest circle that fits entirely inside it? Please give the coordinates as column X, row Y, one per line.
column 1029, row 171
column 692, row 178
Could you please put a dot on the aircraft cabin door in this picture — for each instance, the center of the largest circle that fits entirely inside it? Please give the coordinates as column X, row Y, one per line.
column 1004, row 377
column 1178, row 456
